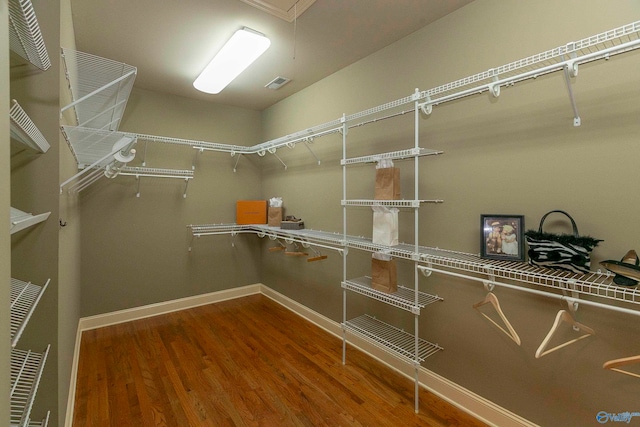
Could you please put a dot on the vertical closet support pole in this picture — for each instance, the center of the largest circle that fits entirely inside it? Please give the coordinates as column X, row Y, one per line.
column 416, row 217
column 344, row 239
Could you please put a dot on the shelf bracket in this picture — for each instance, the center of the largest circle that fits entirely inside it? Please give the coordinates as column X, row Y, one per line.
column 199, row 150
column 494, row 88
column 235, row 167
column 273, row 151
column 427, row 107
column 571, row 70
column 572, row 301
column 307, row 142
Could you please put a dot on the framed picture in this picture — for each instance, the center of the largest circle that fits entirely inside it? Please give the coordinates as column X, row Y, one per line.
column 502, row 237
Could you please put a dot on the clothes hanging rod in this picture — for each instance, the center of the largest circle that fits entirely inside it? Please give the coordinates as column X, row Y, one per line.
column 532, row 291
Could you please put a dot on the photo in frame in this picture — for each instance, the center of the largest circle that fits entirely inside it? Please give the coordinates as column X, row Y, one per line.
column 502, row 237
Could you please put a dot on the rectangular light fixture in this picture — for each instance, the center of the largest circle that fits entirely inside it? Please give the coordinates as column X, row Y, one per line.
column 244, row 47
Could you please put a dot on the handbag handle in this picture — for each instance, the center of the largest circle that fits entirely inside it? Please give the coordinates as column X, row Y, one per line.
column 573, row 223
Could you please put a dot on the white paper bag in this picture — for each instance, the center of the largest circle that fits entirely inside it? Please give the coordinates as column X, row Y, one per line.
column 385, row 226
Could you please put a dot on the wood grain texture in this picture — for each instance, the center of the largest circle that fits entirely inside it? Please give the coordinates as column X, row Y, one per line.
column 243, row 362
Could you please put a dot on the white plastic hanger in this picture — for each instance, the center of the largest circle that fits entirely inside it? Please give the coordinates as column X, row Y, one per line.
column 616, row 363
column 562, row 316
column 493, row 300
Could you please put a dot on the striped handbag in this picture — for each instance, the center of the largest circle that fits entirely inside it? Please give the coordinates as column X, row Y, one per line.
column 570, row 252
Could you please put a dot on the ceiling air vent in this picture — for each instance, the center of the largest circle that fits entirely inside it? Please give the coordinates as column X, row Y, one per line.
column 277, row 83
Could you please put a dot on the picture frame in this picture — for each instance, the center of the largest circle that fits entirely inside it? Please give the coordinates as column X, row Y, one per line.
column 502, row 237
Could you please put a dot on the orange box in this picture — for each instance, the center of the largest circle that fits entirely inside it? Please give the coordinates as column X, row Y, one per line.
column 251, row 212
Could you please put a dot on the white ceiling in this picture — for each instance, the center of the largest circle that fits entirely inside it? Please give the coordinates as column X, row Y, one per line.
column 171, row 41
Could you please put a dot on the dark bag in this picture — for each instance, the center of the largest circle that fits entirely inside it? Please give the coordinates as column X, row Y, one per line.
column 570, row 252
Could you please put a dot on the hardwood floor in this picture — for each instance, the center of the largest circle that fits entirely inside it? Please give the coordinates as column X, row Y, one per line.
column 243, row 362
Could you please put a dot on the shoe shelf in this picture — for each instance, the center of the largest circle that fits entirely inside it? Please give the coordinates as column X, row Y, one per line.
column 24, row 299
column 404, row 298
column 26, row 371
column 24, row 130
column 139, row 172
column 25, row 37
column 391, row 339
column 21, row 220
column 596, row 284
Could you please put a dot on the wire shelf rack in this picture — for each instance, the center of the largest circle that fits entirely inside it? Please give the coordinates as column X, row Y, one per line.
column 99, row 87
column 24, row 130
column 93, row 146
column 43, row 423
column 389, row 203
column 25, row 37
column 595, row 284
column 24, row 299
column 21, row 220
column 391, row 339
column 404, row 298
column 392, row 155
column 26, row 371
column 599, row 46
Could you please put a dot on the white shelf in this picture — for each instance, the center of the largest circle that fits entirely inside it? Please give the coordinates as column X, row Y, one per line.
column 43, row 423
column 24, row 130
column 25, row 37
column 99, row 87
column 391, row 339
column 404, row 298
column 393, row 155
column 24, row 299
column 26, row 371
column 21, row 220
column 389, row 203
column 595, row 284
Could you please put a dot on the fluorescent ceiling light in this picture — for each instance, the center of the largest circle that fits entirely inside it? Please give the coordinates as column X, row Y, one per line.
column 244, row 47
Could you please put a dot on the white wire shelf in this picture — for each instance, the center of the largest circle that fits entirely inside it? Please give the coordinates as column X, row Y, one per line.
column 138, row 171
column 25, row 37
column 389, row 203
column 93, row 146
column 21, row 220
column 43, row 423
column 24, row 130
column 391, row 339
column 595, row 284
column 99, row 87
column 26, row 371
column 404, row 298
column 24, row 299
column 599, row 46
column 393, row 155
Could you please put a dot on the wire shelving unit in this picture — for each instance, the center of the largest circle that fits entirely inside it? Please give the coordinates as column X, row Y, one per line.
column 24, row 299
column 21, row 220
column 26, row 371
column 24, row 130
column 25, row 37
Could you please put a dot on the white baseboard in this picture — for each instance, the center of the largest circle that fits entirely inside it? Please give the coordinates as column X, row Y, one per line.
column 460, row 397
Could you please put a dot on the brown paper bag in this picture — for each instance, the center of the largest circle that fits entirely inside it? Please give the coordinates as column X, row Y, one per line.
column 387, row 184
column 384, row 276
column 274, row 218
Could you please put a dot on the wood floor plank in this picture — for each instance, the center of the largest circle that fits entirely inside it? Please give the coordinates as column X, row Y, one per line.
column 243, row 362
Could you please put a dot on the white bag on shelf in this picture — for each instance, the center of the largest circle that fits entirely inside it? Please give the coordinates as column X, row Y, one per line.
column 385, row 226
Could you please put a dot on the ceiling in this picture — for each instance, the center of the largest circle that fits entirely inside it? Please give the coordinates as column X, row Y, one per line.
column 171, row 41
